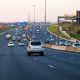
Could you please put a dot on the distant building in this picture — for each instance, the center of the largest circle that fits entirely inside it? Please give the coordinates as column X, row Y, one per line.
column 78, row 17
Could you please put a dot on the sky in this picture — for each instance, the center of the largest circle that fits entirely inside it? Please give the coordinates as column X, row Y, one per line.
column 23, row 10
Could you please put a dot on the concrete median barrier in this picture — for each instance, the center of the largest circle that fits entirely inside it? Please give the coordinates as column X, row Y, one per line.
column 63, row 48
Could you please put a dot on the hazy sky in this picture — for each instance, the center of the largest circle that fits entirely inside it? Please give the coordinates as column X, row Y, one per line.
column 22, row 10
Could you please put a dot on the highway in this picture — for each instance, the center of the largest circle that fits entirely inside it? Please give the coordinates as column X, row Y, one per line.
column 15, row 64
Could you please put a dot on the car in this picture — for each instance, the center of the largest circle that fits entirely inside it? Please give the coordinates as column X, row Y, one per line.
column 21, row 43
column 60, row 43
column 68, row 43
column 18, row 38
column 23, row 36
column 76, row 45
column 14, row 38
column 47, row 41
column 37, row 31
column 35, row 47
column 10, row 44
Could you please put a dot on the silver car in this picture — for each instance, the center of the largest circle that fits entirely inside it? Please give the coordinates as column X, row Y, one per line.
column 35, row 47
column 21, row 43
column 14, row 38
column 68, row 43
column 76, row 45
column 10, row 44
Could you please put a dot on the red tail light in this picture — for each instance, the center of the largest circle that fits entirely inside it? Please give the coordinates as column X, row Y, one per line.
column 30, row 46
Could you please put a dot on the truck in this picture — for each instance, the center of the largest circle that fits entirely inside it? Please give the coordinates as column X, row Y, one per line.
column 8, row 36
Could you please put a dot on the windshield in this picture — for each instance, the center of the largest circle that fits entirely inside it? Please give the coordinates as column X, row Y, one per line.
column 36, row 43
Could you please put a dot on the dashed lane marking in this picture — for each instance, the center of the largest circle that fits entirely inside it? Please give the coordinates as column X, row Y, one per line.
column 51, row 66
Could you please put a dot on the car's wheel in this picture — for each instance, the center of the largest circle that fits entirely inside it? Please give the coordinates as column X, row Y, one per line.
column 42, row 53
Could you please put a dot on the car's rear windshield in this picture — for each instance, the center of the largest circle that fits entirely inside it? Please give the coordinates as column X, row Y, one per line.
column 10, row 43
column 36, row 43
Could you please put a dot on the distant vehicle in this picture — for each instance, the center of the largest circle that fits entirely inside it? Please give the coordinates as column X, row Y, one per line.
column 60, row 43
column 67, row 43
column 8, row 36
column 14, row 38
column 16, row 29
column 37, row 31
column 35, row 47
column 21, row 43
column 47, row 41
column 76, row 45
column 23, row 36
column 38, row 26
column 18, row 38
column 10, row 44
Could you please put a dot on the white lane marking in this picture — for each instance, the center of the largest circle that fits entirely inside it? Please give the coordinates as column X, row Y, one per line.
column 51, row 66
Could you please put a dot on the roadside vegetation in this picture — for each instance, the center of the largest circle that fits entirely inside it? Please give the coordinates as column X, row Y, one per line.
column 73, row 29
column 54, row 30
column 2, row 29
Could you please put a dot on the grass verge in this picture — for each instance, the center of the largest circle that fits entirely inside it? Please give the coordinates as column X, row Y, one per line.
column 54, row 30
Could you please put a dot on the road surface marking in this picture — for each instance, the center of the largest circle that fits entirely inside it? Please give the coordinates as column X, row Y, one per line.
column 51, row 66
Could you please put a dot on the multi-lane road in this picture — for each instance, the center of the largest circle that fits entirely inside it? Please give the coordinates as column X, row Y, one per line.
column 15, row 64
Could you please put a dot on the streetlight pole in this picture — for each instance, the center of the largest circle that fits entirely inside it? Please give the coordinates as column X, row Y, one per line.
column 58, row 32
column 45, row 22
column 45, row 11
column 34, row 6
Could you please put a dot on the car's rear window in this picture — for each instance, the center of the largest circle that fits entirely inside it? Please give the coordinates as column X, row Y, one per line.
column 10, row 43
column 36, row 43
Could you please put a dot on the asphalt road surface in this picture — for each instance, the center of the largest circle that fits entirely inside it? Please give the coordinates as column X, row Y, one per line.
column 15, row 64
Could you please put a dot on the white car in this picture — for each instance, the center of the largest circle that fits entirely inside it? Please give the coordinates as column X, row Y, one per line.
column 14, row 38
column 67, row 43
column 23, row 36
column 35, row 47
column 76, row 45
column 60, row 43
column 37, row 31
column 21, row 43
column 10, row 44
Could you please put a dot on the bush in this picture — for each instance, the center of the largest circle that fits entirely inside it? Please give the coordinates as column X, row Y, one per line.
column 78, row 32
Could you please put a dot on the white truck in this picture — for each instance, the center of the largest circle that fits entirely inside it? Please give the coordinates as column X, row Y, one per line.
column 8, row 36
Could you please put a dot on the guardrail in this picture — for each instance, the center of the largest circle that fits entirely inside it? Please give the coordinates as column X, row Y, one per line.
column 63, row 48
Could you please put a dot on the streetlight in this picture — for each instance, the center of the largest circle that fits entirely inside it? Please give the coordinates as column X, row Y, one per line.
column 45, row 22
column 45, row 11
column 34, row 6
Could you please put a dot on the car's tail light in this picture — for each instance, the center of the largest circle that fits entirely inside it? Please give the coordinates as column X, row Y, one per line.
column 30, row 46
